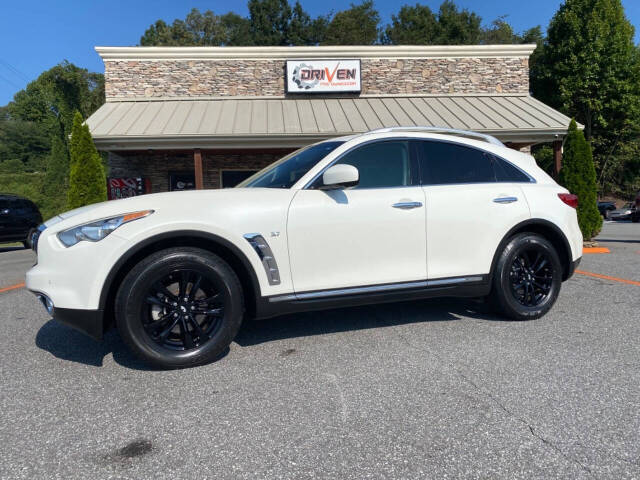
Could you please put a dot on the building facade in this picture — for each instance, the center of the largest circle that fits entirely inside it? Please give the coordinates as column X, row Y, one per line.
column 207, row 117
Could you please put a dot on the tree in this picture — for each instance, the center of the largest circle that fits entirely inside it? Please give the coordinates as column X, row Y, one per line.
column 458, row 27
column 56, row 179
column 50, row 100
column 269, row 21
column 578, row 175
column 25, row 142
column 588, row 68
column 237, row 30
column 87, row 180
column 415, row 25
column 356, row 26
column 306, row 31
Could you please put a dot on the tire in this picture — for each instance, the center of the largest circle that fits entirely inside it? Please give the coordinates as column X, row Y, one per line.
column 27, row 241
column 169, row 325
column 635, row 218
column 518, row 263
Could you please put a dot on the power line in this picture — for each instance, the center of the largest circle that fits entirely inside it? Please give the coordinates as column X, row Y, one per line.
column 10, row 82
column 14, row 70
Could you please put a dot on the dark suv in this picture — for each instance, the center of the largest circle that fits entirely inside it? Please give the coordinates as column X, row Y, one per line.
column 19, row 219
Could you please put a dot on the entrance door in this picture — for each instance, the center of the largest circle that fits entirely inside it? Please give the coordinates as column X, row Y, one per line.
column 371, row 234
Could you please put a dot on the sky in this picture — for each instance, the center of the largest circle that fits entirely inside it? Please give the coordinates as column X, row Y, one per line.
column 38, row 34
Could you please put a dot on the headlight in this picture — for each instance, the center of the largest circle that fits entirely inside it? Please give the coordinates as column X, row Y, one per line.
column 96, row 231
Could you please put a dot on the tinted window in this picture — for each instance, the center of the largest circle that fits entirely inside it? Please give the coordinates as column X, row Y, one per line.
column 288, row 170
column 444, row 163
column 505, row 172
column 380, row 164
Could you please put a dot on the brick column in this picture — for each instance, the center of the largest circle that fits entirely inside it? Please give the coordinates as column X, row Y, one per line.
column 557, row 157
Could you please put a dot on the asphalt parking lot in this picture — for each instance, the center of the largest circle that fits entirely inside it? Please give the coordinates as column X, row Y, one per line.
column 432, row 389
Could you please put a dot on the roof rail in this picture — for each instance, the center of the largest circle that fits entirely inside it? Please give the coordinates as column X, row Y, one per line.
column 445, row 131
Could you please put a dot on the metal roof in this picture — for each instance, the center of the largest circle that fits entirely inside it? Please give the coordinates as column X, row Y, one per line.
column 260, row 122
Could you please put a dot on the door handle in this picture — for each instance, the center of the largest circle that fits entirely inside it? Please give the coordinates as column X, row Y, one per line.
column 407, row 205
column 505, row 199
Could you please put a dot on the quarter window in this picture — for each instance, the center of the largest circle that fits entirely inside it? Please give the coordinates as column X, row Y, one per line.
column 446, row 163
column 381, row 164
column 505, row 172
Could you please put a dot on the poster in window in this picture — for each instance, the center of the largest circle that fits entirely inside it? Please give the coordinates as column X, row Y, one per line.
column 182, row 181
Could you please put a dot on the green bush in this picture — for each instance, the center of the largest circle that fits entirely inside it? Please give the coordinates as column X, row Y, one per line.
column 28, row 185
column 87, row 180
column 12, row 165
column 578, row 175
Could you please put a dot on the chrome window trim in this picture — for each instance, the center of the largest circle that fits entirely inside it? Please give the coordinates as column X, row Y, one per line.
column 376, row 288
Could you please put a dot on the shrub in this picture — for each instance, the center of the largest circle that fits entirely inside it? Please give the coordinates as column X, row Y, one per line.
column 56, row 179
column 87, row 180
column 578, row 175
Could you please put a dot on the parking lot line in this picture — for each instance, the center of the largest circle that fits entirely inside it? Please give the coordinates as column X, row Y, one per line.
column 12, row 287
column 607, row 277
column 588, row 250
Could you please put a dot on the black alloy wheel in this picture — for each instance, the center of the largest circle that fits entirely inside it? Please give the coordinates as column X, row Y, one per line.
column 183, row 310
column 531, row 276
column 179, row 307
column 527, row 277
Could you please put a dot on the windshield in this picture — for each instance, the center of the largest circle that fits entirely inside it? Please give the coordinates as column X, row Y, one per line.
column 288, row 170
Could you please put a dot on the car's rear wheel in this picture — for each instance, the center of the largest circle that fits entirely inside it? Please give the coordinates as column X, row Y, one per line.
column 527, row 278
column 179, row 307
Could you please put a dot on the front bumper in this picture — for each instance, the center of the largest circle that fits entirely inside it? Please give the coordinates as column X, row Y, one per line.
column 89, row 322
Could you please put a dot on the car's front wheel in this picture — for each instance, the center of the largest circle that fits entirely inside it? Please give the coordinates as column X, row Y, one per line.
column 527, row 278
column 179, row 307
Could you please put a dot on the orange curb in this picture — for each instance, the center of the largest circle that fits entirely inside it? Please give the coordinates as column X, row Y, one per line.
column 12, row 287
column 588, row 250
column 607, row 277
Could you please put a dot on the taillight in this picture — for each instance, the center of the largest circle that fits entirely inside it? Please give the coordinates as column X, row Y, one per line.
column 570, row 199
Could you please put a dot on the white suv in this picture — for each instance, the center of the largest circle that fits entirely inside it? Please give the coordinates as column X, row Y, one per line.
column 393, row 214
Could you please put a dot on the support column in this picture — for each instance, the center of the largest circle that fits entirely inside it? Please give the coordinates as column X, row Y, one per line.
column 557, row 157
column 197, row 167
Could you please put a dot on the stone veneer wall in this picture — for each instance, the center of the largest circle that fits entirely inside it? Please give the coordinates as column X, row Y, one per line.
column 156, row 166
column 194, row 78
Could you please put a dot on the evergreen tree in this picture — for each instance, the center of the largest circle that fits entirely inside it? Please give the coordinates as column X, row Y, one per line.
column 588, row 68
column 578, row 175
column 56, row 179
column 87, row 180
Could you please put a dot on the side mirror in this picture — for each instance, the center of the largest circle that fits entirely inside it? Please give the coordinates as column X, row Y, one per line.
column 340, row 176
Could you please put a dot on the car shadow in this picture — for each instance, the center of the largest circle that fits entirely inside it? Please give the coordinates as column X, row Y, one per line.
column 68, row 344
column 361, row 318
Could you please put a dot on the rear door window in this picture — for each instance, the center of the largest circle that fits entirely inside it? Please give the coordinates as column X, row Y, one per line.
column 443, row 163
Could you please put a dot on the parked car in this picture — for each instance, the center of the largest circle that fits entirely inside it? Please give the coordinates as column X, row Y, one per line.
column 605, row 207
column 19, row 219
column 629, row 211
column 349, row 221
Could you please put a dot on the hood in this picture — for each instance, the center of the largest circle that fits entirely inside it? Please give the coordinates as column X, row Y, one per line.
column 179, row 204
